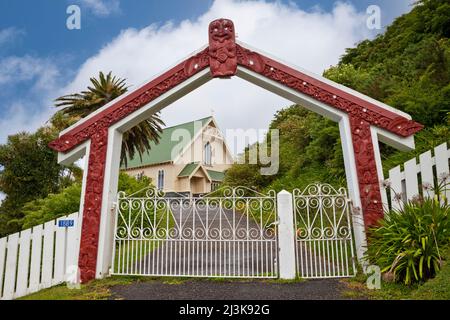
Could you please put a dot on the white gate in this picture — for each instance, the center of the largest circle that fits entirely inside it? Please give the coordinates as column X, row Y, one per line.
column 228, row 233
column 324, row 241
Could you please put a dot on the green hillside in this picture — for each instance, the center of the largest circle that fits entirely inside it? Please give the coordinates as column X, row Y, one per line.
column 407, row 67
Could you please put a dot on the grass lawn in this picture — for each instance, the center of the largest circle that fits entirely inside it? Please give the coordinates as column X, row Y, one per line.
column 434, row 289
column 95, row 290
column 100, row 289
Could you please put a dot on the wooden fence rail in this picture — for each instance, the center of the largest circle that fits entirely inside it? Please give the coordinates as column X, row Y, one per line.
column 38, row 258
column 420, row 177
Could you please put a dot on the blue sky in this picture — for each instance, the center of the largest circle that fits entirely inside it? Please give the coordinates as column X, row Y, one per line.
column 41, row 59
column 41, row 23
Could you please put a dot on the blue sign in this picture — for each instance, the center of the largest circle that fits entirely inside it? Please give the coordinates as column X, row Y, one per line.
column 66, row 223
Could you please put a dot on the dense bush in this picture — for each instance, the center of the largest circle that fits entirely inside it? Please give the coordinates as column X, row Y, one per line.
column 28, row 170
column 407, row 67
column 409, row 243
column 68, row 201
column 51, row 207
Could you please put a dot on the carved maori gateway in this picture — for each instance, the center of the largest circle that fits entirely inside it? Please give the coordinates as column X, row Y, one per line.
column 225, row 58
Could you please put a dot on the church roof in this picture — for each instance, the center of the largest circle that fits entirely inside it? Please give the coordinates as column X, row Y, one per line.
column 162, row 152
column 188, row 169
column 216, row 175
column 192, row 167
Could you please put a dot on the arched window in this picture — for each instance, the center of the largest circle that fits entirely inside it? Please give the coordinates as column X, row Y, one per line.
column 207, row 154
column 161, row 179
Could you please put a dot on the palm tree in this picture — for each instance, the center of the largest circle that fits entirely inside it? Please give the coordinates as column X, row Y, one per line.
column 103, row 90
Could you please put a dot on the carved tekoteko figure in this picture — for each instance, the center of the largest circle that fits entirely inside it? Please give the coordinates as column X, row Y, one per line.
column 222, row 48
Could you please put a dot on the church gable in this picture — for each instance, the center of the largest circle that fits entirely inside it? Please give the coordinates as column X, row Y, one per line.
column 196, row 150
column 170, row 145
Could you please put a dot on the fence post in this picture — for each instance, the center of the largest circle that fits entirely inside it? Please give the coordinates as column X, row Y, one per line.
column 286, row 235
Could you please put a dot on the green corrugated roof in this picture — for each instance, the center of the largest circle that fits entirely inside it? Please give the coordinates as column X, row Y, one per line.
column 216, row 175
column 161, row 152
column 188, row 169
column 192, row 167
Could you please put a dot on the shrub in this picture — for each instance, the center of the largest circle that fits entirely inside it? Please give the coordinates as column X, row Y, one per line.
column 409, row 242
column 51, row 207
column 68, row 201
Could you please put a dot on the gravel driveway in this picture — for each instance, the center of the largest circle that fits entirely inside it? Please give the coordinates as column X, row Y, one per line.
column 206, row 289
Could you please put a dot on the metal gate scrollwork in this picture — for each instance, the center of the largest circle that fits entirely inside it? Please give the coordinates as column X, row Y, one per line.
column 227, row 233
column 324, row 240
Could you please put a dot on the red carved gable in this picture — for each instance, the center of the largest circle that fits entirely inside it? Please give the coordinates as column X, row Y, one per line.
column 223, row 57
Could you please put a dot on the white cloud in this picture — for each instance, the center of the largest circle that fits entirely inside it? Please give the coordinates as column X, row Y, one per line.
column 31, row 110
column 22, row 117
column 313, row 40
column 15, row 69
column 102, row 7
column 10, row 34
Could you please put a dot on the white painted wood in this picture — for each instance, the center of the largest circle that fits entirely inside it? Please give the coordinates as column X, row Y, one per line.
column 412, row 184
column 60, row 251
column 353, row 190
column 426, row 173
column 75, row 154
column 304, row 100
column 379, row 164
column 442, row 168
column 286, row 235
column 71, row 274
column 25, row 273
column 47, row 257
column 24, row 263
column 106, row 235
column 396, row 188
column 36, row 251
column 72, row 244
column 2, row 262
column 400, row 143
column 11, row 265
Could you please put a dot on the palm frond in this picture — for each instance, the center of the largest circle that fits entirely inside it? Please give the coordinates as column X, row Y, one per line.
column 102, row 90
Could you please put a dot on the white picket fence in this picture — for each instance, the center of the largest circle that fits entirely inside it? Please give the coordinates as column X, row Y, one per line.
column 419, row 178
column 37, row 258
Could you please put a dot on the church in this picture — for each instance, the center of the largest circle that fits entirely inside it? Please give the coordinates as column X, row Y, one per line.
column 190, row 158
